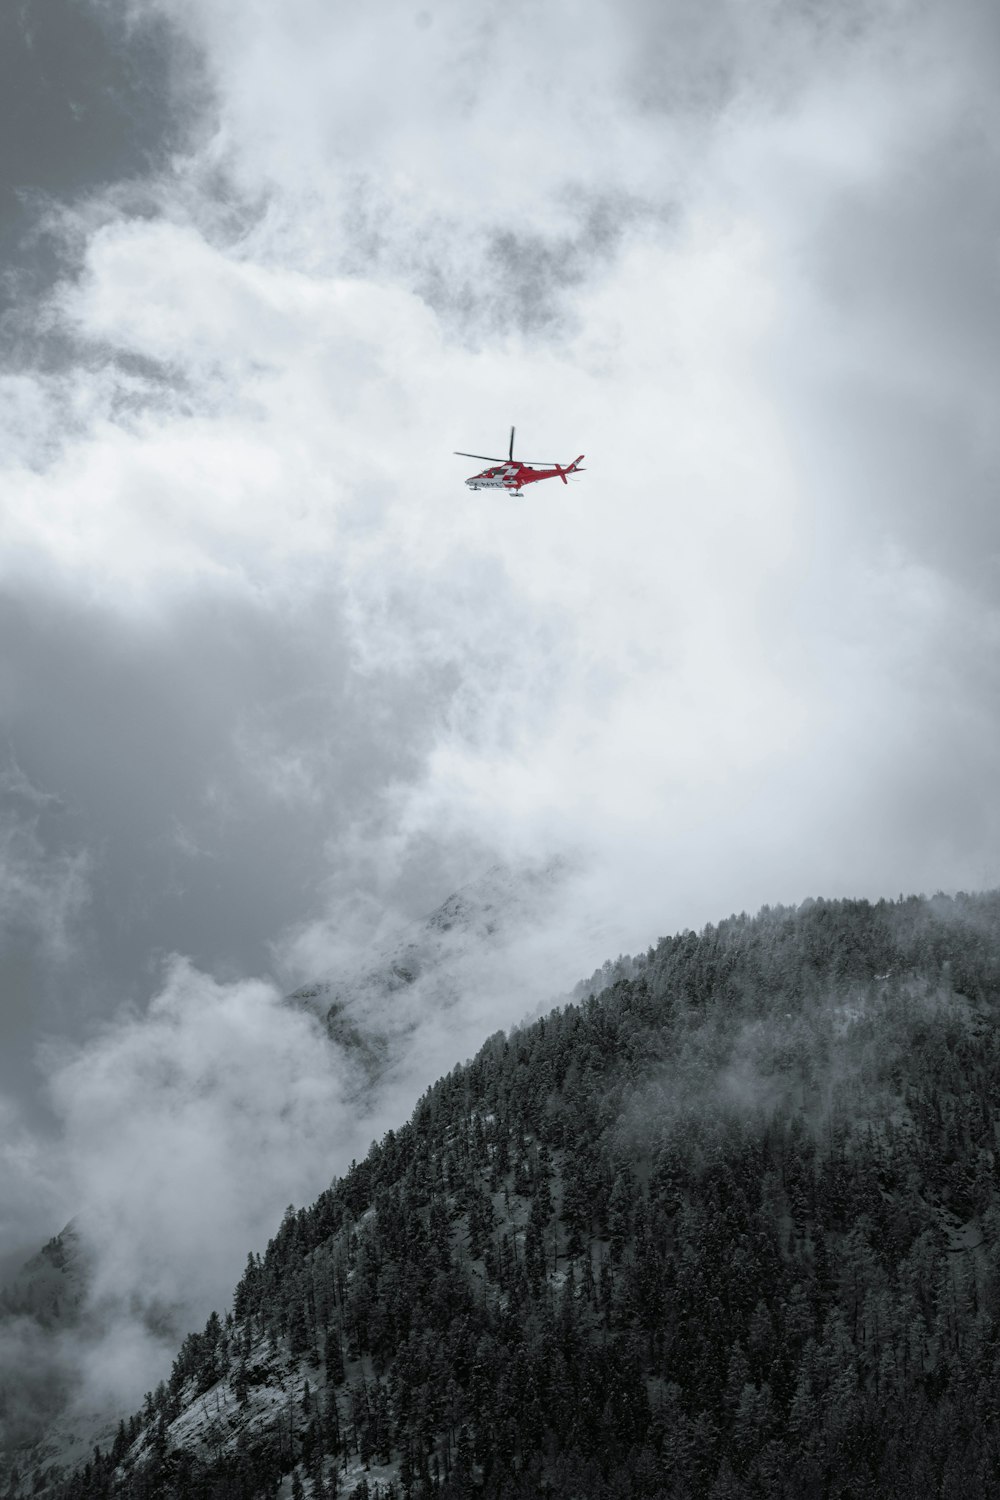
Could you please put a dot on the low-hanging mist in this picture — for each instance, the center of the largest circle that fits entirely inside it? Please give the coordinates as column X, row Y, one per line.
column 188, row 1126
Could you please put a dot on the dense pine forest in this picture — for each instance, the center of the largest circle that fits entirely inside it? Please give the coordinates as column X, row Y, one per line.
column 727, row 1225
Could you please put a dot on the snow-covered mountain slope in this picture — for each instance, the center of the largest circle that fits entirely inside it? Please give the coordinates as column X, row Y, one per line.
column 41, row 1312
column 51, row 1286
column 483, row 929
column 407, row 1006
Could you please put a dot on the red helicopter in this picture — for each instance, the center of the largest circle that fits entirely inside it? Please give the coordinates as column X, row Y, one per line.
column 513, row 473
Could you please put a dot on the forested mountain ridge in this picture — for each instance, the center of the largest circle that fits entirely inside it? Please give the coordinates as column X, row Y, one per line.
column 727, row 1228
column 374, row 1000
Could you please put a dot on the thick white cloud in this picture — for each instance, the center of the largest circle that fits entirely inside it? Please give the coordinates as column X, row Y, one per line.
column 185, row 1130
column 188, row 1129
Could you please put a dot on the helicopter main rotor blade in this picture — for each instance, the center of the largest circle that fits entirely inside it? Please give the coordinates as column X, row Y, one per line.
column 511, row 455
column 486, row 456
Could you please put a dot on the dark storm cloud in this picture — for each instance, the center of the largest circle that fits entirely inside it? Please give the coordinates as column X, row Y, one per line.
column 88, row 96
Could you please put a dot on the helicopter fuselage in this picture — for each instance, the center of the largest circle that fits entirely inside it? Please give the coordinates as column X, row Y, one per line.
column 513, row 476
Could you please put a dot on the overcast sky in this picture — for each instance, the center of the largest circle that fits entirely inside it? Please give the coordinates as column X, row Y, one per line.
column 271, row 678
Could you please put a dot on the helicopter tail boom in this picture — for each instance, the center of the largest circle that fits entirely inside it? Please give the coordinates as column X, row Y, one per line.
column 572, row 468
